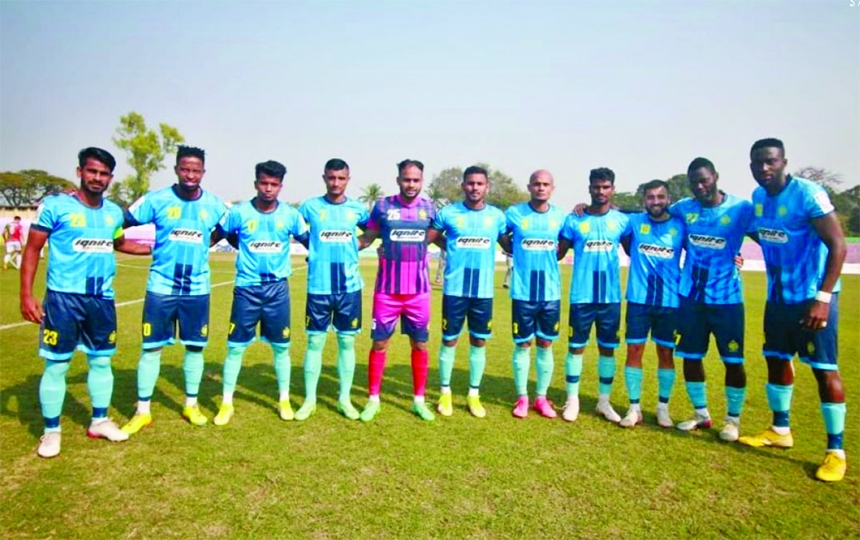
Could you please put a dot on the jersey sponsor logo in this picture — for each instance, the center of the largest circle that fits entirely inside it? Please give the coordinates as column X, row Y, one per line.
column 92, row 245
column 659, row 252
column 598, row 246
column 473, row 242
column 707, row 242
column 188, row 236
column 537, row 244
column 265, row 246
column 774, row 236
column 407, row 235
column 335, row 237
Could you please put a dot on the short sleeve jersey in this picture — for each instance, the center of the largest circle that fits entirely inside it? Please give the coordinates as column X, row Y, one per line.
column 471, row 237
column 534, row 236
column 655, row 261
column 80, row 258
column 794, row 254
column 14, row 231
column 714, row 237
column 333, row 245
column 403, row 265
column 595, row 239
column 183, row 230
column 264, row 241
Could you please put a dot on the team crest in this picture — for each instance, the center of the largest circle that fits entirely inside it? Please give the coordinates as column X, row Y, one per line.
column 490, row 324
column 112, row 337
column 460, row 221
column 287, row 332
column 555, row 327
column 525, row 224
column 350, row 215
column 422, row 214
column 611, row 226
column 553, row 224
column 673, row 231
column 109, row 220
column 204, row 330
column 759, row 210
column 354, row 323
column 811, row 348
column 725, row 220
column 569, row 331
column 279, row 225
column 487, row 222
column 204, row 214
column 645, row 228
column 692, row 217
column 733, row 346
column 782, row 211
column 584, row 227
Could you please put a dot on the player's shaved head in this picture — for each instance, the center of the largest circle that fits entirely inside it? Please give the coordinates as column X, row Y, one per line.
column 541, row 174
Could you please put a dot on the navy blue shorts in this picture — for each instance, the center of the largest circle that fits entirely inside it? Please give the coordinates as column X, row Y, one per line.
column 697, row 321
column 661, row 321
column 342, row 310
column 454, row 312
column 267, row 304
column 77, row 321
column 607, row 318
column 163, row 312
column 535, row 318
column 784, row 336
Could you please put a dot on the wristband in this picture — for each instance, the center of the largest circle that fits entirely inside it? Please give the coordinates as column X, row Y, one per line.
column 823, row 297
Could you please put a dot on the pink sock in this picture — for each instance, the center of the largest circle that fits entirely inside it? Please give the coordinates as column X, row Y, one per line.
column 419, row 371
column 375, row 368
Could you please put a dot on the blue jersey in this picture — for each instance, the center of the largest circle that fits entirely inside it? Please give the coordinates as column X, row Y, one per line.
column 471, row 237
column 795, row 255
column 80, row 258
column 264, row 241
column 714, row 237
column 596, row 277
column 183, row 230
column 534, row 236
column 333, row 245
column 655, row 261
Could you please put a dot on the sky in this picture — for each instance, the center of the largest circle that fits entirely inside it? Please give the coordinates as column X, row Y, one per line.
column 642, row 87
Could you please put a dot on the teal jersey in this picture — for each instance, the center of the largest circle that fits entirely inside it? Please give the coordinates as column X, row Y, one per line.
column 794, row 254
column 264, row 241
column 333, row 245
column 655, row 261
column 596, row 277
column 471, row 237
column 80, row 258
column 714, row 237
column 183, row 230
column 534, row 236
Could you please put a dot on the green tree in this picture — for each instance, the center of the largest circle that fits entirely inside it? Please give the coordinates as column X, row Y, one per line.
column 371, row 194
column 446, row 187
column 847, row 202
column 145, row 152
column 29, row 187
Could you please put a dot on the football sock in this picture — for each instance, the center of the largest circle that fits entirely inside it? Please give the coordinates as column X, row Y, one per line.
column 735, row 400
column 283, row 368
column 698, row 394
column 477, row 364
column 192, row 367
column 419, row 371
column 446, row 364
column 521, row 361
column 52, row 393
column 779, row 401
column 313, row 365
column 147, row 374
column 100, row 384
column 230, row 371
column 573, row 371
column 375, row 369
column 606, row 372
column 633, row 382
column 665, row 383
column 834, row 424
column 345, row 365
column 544, row 362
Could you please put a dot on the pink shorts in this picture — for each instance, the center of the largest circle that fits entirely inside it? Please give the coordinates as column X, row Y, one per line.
column 413, row 310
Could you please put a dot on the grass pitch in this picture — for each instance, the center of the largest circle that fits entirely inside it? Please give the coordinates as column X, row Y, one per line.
column 398, row 477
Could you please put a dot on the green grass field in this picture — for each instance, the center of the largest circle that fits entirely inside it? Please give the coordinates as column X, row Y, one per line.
column 398, row 477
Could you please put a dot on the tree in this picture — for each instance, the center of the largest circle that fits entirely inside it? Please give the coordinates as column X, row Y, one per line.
column 824, row 178
column 847, row 203
column 145, row 152
column 446, row 187
column 371, row 194
column 29, row 187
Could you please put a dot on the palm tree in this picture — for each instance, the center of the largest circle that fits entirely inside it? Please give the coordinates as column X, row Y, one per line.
column 371, row 194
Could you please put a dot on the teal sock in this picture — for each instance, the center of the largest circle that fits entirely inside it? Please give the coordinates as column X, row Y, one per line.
column 232, row 366
column 345, row 365
column 735, row 400
column 606, row 372
column 834, row 424
column 147, row 373
column 698, row 394
column 572, row 372
column 313, row 365
column 522, row 361
column 477, row 364
column 283, row 366
column 446, row 364
column 52, row 392
column 100, row 384
column 192, row 367
column 665, row 383
column 633, row 381
column 545, row 363
column 779, row 401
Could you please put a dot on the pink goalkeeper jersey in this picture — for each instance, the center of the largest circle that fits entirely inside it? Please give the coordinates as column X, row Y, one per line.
column 403, row 265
